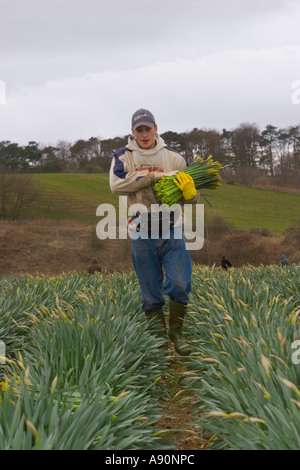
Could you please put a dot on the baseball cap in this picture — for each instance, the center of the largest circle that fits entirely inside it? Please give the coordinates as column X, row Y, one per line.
column 142, row 117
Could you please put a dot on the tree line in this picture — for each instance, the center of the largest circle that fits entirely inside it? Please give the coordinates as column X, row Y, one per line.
column 271, row 151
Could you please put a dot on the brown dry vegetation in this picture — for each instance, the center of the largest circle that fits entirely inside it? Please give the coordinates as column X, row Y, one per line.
column 52, row 247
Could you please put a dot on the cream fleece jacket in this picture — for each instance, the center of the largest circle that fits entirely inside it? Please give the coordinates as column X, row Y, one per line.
column 133, row 169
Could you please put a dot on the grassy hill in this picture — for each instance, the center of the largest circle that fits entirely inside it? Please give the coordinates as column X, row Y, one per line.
column 70, row 196
column 76, row 196
column 247, row 207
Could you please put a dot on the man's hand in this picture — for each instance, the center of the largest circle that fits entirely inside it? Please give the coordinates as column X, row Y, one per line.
column 186, row 184
column 156, row 175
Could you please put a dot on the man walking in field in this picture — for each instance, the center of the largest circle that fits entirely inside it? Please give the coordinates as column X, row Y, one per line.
column 134, row 171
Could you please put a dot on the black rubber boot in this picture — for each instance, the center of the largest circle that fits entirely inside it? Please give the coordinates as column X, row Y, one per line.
column 177, row 314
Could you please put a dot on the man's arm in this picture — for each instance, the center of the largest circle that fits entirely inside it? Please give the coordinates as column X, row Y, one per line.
column 122, row 180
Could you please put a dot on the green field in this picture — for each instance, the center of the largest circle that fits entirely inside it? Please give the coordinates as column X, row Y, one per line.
column 246, row 330
column 248, row 207
column 76, row 196
column 83, row 369
column 70, row 196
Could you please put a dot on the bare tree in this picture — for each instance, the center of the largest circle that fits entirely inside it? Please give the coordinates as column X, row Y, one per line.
column 245, row 140
column 16, row 192
column 268, row 143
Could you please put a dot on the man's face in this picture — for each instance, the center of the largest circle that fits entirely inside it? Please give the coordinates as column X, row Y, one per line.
column 145, row 136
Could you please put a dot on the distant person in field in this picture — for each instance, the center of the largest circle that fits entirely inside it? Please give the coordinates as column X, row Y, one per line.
column 134, row 171
column 94, row 266
column 225, row 263
column 284, row 261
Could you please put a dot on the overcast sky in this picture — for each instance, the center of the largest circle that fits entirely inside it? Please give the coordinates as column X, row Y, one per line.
column 77, row 69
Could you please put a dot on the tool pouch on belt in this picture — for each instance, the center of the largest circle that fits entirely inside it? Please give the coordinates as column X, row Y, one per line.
column 154, row 223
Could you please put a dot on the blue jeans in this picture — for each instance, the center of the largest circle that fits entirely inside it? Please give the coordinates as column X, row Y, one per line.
column 149, row 257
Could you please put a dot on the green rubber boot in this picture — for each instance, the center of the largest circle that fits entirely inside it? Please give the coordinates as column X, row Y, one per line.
column 161, row 329
column 177, row 314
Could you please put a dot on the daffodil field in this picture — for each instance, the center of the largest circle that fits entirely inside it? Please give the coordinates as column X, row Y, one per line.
column 83, row 369
column 246, row 327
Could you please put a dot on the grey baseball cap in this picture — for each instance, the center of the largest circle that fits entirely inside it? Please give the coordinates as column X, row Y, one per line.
column 142, row 117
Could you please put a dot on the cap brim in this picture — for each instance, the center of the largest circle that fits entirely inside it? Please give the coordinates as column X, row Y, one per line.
column 143, row 123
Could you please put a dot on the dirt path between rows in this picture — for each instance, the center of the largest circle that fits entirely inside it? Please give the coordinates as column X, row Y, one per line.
column 178, row 410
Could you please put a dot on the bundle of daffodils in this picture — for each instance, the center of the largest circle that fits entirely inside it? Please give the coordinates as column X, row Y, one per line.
column 205, row 174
